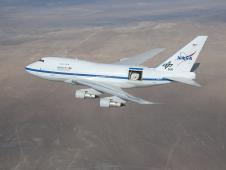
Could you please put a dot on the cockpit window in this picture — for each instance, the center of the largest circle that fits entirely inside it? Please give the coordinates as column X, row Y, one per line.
column 41, row 60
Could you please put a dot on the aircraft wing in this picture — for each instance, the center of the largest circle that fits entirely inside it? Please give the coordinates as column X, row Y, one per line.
column 141, row 58
column 115, row 91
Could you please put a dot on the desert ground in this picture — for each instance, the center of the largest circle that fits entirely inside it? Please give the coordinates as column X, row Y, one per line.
column 43, row 126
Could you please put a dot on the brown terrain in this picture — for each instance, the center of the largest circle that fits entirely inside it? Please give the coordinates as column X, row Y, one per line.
column 42, row 125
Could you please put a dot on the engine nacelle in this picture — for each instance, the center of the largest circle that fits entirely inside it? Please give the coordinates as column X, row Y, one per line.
column 83, row 93
column 110, row 102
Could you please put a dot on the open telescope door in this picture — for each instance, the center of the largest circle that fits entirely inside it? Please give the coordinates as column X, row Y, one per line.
column 135, row 74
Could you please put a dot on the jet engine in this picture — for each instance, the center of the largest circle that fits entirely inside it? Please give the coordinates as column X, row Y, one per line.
column 87, row 93
column 112, row 102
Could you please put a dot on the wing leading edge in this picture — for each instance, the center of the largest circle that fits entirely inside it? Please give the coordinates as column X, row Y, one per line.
column 141, row 58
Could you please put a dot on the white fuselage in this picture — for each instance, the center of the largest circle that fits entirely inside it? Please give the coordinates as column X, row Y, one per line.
column 65, row 69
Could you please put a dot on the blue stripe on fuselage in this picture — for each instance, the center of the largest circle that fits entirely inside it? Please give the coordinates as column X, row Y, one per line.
column 133, row 68
column 88, row 75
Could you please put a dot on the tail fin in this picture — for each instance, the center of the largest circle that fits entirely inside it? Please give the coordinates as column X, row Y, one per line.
column 183, row 60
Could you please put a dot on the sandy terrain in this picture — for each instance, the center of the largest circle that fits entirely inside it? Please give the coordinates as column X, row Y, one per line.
column 42, row 125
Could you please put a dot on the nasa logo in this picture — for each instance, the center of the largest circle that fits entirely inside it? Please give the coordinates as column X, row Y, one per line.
column 185, row 57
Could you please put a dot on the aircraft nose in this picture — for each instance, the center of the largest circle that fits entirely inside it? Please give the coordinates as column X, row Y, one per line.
column 30, row 67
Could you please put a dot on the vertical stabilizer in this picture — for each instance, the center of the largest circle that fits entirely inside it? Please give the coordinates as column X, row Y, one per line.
column 183, row 60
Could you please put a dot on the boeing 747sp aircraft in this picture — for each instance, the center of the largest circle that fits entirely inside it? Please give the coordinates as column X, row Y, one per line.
column 126, row 73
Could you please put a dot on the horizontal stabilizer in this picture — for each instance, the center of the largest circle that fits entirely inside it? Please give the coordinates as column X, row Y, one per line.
column 185, row 81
